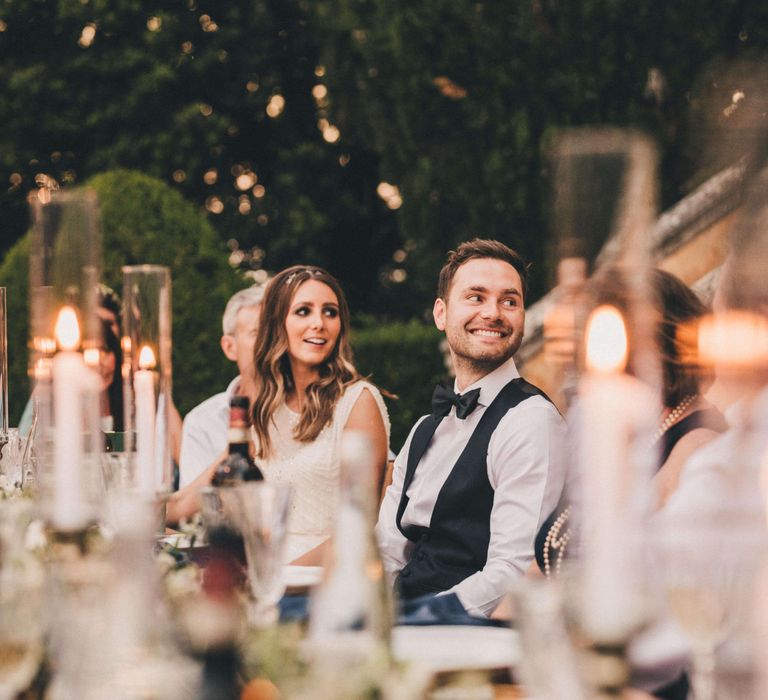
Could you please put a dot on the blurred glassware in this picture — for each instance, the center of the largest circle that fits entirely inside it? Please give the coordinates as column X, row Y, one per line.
column 146, row 372
column 350, row 611
column 261, row 515
column 3, row 367
column 21, row 586
column 11, row 459
column 29, row 463
column 709, row 561
column 549, row 666
column 65, row 260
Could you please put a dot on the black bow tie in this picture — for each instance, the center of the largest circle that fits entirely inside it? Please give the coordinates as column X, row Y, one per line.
column 445, row 397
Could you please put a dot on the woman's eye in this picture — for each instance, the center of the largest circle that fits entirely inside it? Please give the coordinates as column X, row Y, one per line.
column 331, row 313
column 302, row 311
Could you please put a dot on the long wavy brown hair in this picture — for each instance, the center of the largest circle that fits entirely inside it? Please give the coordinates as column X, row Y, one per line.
column 273, row 379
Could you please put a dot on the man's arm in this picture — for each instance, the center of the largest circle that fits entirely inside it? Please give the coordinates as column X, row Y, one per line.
column 392, row 543
column 197, row 451
column 526, row 471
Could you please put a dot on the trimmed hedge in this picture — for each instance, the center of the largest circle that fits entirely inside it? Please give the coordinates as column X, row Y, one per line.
column 145, row 221
column 404, row 359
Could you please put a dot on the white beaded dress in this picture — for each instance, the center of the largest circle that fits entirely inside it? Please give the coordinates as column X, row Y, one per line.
column 312, row 469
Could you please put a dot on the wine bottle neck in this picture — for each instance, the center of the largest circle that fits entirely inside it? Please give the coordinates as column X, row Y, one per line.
column 238, row 447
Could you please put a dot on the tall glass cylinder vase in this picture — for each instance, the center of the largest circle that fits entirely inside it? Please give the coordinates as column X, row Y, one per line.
column 64, row 274
column 147, row 375
column 3, row 368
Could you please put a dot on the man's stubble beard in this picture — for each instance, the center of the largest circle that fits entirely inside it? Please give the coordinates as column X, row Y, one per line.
column 477, row 364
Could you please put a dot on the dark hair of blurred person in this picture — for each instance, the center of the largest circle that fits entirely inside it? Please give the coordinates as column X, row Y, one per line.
column 110, row 362
column 687, row 421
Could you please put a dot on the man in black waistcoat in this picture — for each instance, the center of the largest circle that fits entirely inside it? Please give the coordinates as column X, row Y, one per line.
column 477, row 477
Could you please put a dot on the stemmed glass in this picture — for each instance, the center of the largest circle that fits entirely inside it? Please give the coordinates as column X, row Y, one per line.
column 709, row 562
column 260, row 511
column 21, row 581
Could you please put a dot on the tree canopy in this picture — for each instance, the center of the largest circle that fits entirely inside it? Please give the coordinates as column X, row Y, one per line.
column 145, row 221
column 368, row 136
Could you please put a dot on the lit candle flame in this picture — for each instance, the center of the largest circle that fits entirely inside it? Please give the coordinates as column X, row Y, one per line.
column 606, row 340
column 91, row 356
column 737, row 339
column 147, row 358
column 67, row 331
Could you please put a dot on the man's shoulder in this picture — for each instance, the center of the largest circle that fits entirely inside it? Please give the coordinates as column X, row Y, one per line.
column 206, row 409
column 536, row 413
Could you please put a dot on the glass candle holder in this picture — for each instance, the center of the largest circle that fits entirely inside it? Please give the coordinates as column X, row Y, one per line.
column 3, row 368
column 146, row 371
column 64, row 274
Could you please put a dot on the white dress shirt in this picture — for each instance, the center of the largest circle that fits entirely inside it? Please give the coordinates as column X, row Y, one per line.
column 204, row 434
column 525, row 468
column 730, row 465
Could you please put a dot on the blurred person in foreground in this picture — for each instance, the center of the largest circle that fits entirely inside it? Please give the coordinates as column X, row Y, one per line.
column 687, row 421
column 720, row 500
column 306, row 393
column 474, row 480
column 204, row 432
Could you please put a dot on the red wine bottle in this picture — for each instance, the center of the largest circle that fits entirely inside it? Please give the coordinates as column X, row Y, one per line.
column 238, row 465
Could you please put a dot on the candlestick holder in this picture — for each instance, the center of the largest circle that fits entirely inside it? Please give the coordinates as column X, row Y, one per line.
column 64, row 274
column 146, row 371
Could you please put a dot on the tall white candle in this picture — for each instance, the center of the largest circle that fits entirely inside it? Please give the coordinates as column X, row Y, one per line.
column 69, row 508
column 144, row 391
column 615, row 413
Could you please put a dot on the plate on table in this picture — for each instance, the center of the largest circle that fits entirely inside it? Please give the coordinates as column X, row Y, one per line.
column 179, row 540
column 302, row 576
column 456, row 647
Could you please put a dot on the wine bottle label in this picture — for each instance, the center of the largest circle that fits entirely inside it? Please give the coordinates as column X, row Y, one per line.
column 238, row 434
column 238, row 417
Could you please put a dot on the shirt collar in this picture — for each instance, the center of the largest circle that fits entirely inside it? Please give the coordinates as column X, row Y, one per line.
column 233, row 387
column 492, row 383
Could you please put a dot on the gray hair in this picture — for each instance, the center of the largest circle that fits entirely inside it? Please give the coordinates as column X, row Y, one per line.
column 251, row 296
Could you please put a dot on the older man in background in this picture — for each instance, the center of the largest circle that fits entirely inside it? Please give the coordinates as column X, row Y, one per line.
column 204, row 434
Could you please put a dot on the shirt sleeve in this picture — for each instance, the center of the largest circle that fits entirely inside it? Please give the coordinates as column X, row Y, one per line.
column 197, row 452
column 526, row 471
column 393, row 545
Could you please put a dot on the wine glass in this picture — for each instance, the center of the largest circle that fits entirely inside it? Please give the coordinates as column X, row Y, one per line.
column 709, row 562
column 21, row 580
column 261, row 514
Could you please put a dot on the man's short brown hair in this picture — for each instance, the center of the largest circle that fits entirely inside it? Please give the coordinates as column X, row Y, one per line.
column 480, row 248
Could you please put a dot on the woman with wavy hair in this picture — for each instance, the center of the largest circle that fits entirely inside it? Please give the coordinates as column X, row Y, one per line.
column 307, row 392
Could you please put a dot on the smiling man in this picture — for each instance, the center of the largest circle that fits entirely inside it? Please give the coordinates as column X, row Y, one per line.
column 477, row 477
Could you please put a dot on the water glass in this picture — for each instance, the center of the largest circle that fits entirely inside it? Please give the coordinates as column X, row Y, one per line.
column 21, row 585
column 709, row 563
column 11, row 459
column 261, row 515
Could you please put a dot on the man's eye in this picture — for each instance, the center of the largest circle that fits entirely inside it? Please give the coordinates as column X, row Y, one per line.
column 512, row 303
column 474, row 297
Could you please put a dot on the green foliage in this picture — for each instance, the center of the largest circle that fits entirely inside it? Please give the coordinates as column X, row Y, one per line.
column 14, row 276
column 452, row 101
column 180, row 91
column 460, row 99
column 404, row 359
column 146, row 221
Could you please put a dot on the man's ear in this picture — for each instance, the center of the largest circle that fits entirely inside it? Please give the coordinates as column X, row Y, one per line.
column 438, row 313
column 228, row 346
